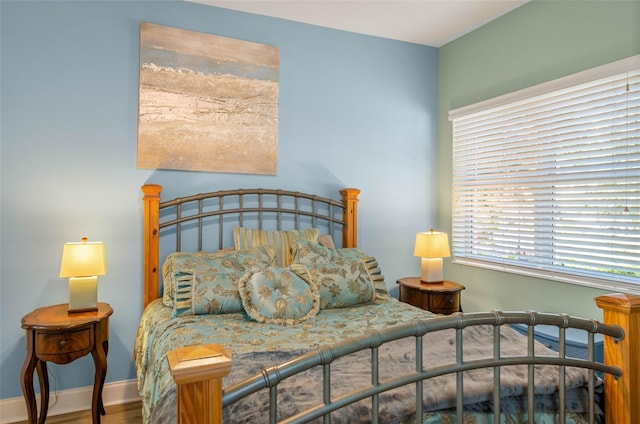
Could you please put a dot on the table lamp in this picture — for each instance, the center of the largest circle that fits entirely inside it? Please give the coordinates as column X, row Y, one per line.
column 82, row 262
column 431, row 246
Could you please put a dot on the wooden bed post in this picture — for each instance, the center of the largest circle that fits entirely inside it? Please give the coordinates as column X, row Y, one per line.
column 151, row 241
column 350, row 231
column 198, row 372
column 623, row 394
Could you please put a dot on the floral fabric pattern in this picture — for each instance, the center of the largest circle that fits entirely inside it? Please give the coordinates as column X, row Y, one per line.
column 316, row 256
column 341, row 283
column 310, row 253
column 279, row 296
column 207, row 292
column 208, row 265
column 253, row 346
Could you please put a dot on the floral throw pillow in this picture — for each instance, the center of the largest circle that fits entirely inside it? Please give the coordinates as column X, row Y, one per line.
column 314, row 254
column 341, row 283
column 310, row 253
column 206, row 293
column 210, row 264
column 278, row 296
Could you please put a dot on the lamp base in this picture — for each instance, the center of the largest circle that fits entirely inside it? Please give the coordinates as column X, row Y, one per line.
column 83, row 294
column 431, row 270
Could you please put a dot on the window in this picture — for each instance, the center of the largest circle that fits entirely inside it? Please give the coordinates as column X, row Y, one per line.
column 546, row 181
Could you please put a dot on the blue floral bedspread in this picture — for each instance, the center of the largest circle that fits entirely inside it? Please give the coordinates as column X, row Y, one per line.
column 254, row 346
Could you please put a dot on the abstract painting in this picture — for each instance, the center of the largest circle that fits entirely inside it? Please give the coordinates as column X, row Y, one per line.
column 207, row 103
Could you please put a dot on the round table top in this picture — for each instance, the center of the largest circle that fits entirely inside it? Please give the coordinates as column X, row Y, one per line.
column 57, row 317
column 443, row 286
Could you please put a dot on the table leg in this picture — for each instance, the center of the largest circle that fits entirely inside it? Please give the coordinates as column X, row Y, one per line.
column 100, row 360
column 105, row 345
column 26, row 375
column 43, row 379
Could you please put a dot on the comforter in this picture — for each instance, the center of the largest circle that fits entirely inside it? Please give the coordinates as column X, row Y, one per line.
column 254, row 346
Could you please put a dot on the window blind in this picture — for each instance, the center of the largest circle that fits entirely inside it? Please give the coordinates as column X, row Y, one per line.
column 549, row 184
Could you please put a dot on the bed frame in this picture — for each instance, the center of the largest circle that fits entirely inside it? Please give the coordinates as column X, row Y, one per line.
column 199, row 383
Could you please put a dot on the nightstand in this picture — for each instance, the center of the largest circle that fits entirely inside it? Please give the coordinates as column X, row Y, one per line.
column 439, row 298
column 55, row 335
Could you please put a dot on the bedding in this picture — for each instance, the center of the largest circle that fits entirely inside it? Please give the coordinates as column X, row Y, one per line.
column 341, row 283
column 278, row 295
column 254, row 345
column 343, row 276
column 206, row 272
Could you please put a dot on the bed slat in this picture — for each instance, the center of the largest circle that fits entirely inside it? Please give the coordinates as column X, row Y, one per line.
column 496, row 373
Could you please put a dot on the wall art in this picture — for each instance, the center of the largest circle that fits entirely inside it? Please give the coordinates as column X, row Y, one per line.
column 207, row 103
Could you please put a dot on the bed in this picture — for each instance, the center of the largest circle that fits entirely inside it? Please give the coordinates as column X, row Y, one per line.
column 259, row 317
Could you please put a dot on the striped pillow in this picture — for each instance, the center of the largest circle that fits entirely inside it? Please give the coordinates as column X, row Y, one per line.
column 281, row 241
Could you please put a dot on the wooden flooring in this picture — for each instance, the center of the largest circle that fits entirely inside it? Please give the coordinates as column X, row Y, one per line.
column 126, row 413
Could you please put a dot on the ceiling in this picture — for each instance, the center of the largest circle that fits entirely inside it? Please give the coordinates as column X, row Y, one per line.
column 429, row 22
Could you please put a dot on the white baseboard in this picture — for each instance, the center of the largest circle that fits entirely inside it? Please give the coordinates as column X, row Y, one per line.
column 72, row 400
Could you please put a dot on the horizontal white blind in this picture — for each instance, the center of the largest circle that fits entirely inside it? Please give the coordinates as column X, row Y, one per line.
column 550, row 185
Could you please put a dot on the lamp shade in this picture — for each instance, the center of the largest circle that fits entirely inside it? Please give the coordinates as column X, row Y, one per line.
column 432, row 244
column 83, row 259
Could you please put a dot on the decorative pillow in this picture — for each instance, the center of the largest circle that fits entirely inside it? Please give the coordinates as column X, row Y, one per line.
column 375, row 274
column 327, row 241
column 252, row 259
column 279, row 296
column 308, row 252
column 176, row 260
column 281, row 241
column 351, row 252
column 206, row 293
column 341, row 283
column 207, row 263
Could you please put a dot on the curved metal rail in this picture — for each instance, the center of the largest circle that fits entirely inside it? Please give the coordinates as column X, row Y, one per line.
column 270, row 377
column 232, row 207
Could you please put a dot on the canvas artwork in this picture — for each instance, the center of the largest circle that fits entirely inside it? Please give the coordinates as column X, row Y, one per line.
column 207, row 103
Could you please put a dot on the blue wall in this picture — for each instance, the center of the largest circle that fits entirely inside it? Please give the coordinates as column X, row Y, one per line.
column 355, row 111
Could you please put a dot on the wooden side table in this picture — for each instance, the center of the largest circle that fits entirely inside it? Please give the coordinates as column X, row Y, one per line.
column 439, row 298
column 57, row 336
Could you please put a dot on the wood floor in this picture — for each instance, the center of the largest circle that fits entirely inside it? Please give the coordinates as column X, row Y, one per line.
column 127, row 413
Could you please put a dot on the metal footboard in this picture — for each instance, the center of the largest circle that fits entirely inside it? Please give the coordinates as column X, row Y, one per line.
column 270, row 377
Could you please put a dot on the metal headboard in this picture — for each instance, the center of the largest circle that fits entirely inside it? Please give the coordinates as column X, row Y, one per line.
column 254, row 207
column 205, row 221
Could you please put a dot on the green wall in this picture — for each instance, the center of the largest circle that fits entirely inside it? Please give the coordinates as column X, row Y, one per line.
column 540, row 41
